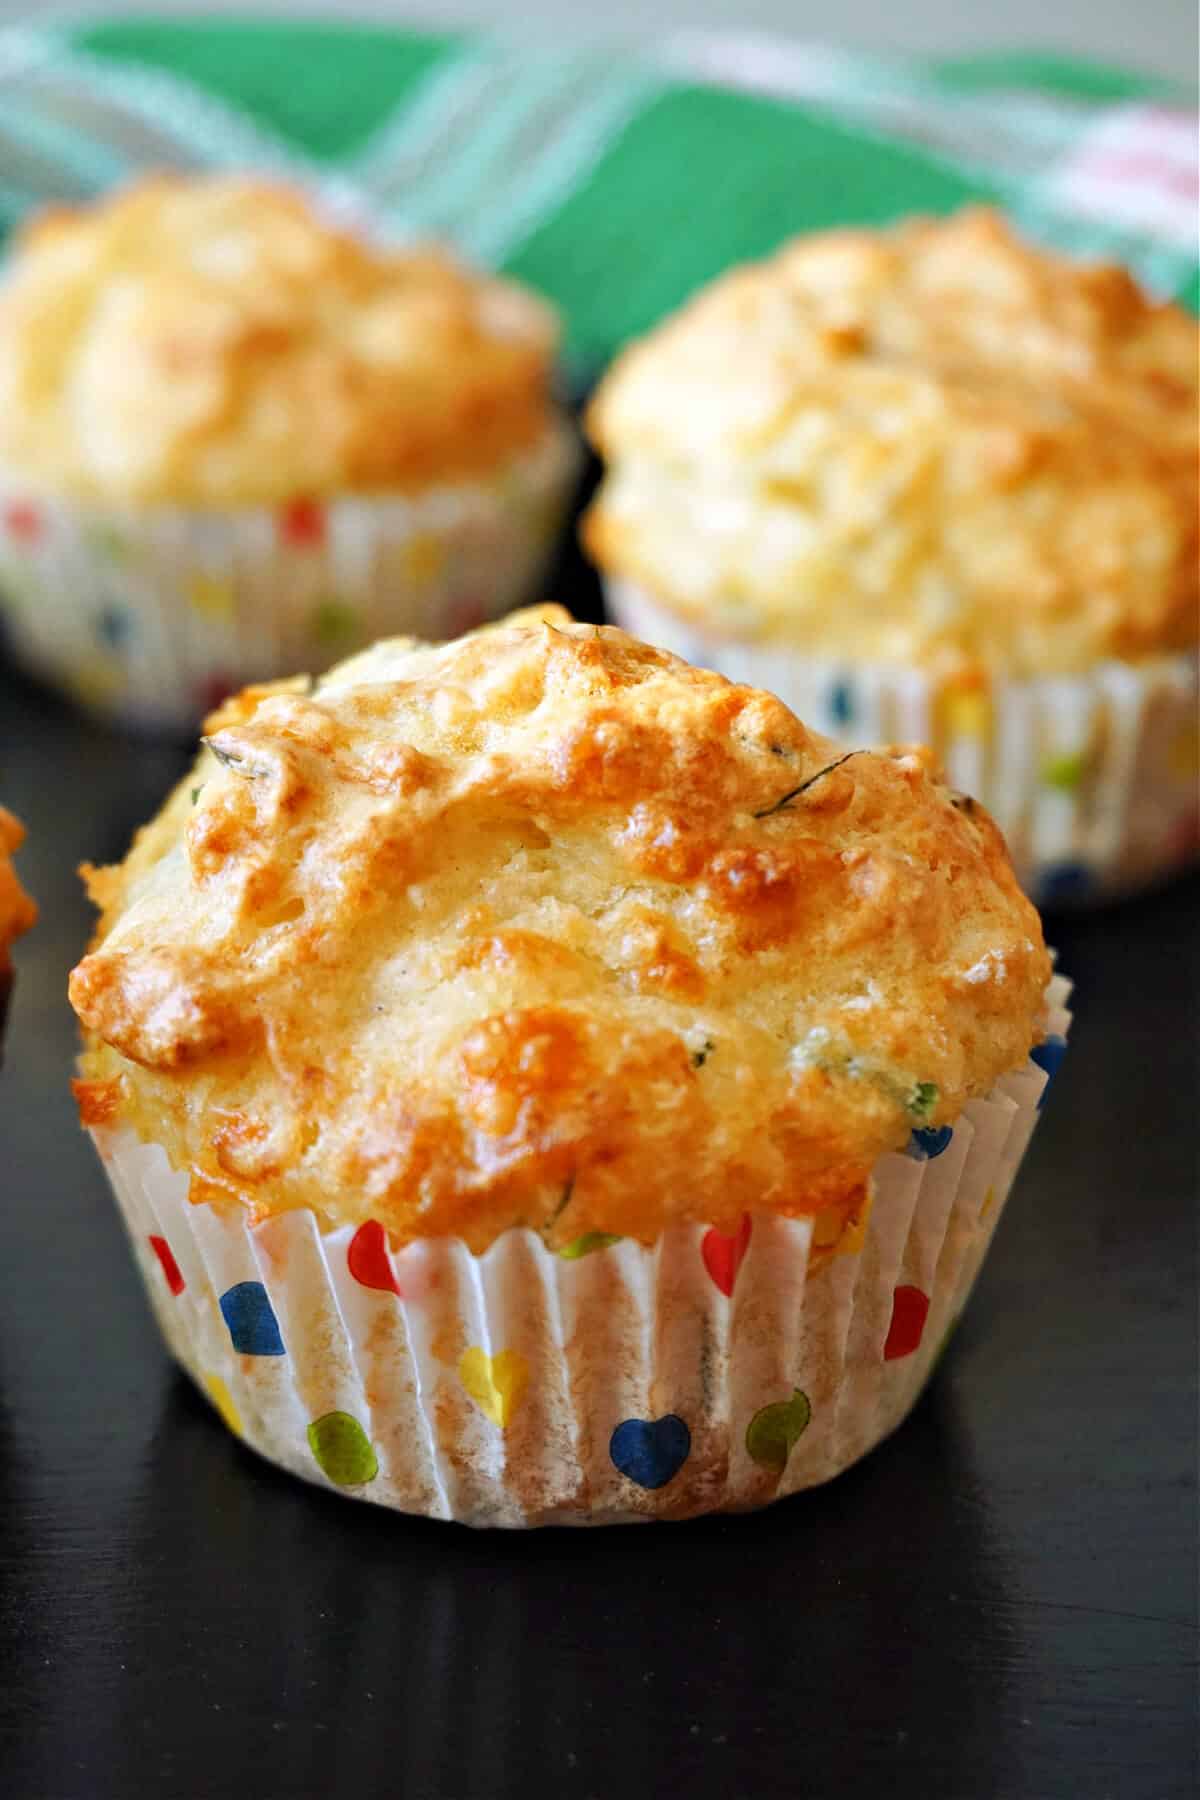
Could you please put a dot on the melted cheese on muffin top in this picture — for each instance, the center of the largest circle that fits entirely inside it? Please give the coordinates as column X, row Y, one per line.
column 548, row 927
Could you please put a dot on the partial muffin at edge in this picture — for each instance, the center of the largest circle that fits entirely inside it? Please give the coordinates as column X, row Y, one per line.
column 18, row 913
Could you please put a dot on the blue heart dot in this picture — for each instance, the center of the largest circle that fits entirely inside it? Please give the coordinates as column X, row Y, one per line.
column 924, row 1145
column 113, row 627
column 1064, row 883
column 650, row 1451
column 253, row 1327
column 841, row 703
column 1048, row 1056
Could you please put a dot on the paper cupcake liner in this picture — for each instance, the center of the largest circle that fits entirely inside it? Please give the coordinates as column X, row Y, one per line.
column 150, row 617
column 609, row 1382
column 1092, row 778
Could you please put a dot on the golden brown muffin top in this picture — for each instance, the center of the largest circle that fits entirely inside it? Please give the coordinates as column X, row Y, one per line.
column 17, row 911
column 933, row 444
column 215, row 341
column 547, row 927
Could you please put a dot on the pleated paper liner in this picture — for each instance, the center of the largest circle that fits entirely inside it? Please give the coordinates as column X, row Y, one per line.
column 1092, row 778
column 608, row 1382
column 149, row 617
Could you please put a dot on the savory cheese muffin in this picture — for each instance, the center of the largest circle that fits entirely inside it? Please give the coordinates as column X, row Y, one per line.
column 914, row 479
column 268, row 436
column 17, row 911
column 539, row 944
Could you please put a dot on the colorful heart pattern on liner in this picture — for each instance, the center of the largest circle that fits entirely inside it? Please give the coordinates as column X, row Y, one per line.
column 586, row 1245
column 211, row 597
column 222, row 1399
column 170, row 1268
column 342, row 1450
column 1065, row 770
column 929, row 1141
column 775, row 1430
column 302, row 524
column 1049, row 1056
column 495, row 1383
column 253, row 1327
column 910, row 1309
column 723, row 1253
column 650, row 1452
column 841, row 703
column 368, row 1260
column 22, row 522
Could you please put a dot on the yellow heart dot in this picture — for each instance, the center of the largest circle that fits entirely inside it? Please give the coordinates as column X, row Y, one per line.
column 841, row 1229
column 966, row 712
column 424, row 559
column 989, row 1200
column 97, row 681
column 495, row 1383
column 211, row 598
column 222, row 1399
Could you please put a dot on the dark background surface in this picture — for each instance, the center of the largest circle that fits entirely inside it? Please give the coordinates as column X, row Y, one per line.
column 1001, row 1601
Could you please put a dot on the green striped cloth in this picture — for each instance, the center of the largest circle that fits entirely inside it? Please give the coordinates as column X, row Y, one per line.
column 616, row 180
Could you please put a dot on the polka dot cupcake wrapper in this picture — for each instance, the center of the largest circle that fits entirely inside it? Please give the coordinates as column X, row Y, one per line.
column 1092, row 778
column 150, row 617
column 605, row 1382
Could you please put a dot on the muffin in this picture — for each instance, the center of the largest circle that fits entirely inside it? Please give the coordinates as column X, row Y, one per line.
column 17, row 911
column 544, row 1082
column 236, row 440
column 932, row 483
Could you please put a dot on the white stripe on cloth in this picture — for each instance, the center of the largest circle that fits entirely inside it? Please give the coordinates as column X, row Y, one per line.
column 566, row 166
column 111, row 116
column 529, row 99
column 429, row 124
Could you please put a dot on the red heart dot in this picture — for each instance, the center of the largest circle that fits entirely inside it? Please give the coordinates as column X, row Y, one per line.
column 303, row 523
column 723, row 1253
column 23, row 522
column 170, row 1267
column 368, row 1260
column 910, row 1309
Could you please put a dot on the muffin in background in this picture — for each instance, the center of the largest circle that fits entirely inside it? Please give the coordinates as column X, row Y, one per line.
column 933, row 484
column 236, row 440
column 544, row 1082
column 17, row 911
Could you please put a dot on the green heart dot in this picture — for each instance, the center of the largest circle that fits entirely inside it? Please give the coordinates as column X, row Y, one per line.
column 333, row 622
column 1066, row 770
column 583, row 1246
column 109, row 542
column 774, row 1431
column 342, row 1449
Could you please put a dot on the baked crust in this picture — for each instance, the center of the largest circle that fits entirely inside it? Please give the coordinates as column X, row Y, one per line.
column 932, row 445
column 217, row 342
column 547, row 927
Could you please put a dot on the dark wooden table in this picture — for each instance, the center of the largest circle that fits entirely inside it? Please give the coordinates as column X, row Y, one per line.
column 1001, row 1601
